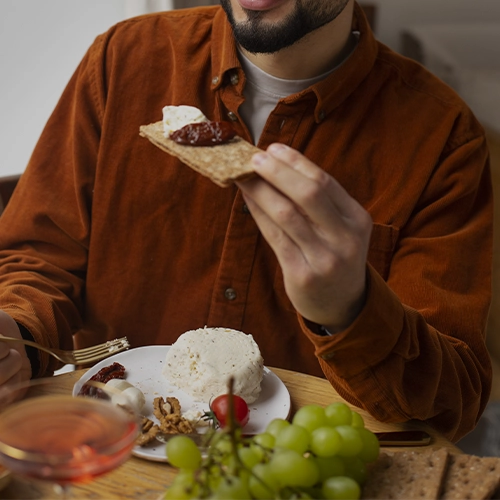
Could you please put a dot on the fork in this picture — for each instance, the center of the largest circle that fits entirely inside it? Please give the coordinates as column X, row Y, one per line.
column 85, row 356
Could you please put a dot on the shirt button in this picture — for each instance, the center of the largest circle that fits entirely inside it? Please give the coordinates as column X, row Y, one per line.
column 245, row 209
column 215, row 80
column 235, row 79
column 230, row 294
column 232, row 116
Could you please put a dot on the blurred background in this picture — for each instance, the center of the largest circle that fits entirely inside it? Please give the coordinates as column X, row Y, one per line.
column 41, row 43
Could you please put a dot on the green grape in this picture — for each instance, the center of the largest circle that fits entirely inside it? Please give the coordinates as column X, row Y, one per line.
column 355, row 468
column 371, row 446
column 230, row 462
column 244, row 475
column 357, row 420
column 276, row 425
column 183, row 453
column 351, row 442
column 223, row 446
column 338, row 414
column 265, row 440
column 325, row 441
column 259, row 451
column 263, row 484
column 293, row 469
column 219, row 496
column 211, row 477
column 249, row 456
column 341, row 488
column 184, row 477
column 310, row 417
column 294, row 493
column 328, row 467
column 178, row 492
column 302, row 495
column 233, row 487
column 293, row 437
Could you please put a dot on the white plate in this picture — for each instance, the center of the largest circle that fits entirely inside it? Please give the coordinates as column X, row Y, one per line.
column 143, row 367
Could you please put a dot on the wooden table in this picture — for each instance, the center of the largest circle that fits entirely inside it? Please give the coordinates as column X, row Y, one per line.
column 139, row 478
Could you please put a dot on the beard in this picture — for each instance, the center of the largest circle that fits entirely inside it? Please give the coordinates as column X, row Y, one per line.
column 260, row 37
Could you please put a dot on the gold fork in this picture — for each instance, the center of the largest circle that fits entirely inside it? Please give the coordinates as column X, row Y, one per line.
column 85, row 356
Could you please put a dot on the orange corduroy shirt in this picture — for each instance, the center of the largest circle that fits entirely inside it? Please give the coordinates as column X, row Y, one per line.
column 107, row 235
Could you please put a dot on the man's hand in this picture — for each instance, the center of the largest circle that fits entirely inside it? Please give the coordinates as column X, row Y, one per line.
column 318, row 232
column 15, row 366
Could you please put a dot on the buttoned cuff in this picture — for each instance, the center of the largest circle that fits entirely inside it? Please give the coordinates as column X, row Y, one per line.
column 369, row 339
column 31, row 352
column 30, row 327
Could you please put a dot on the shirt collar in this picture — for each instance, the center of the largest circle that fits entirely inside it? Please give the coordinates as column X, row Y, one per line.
column 330, row 92
column 224, row 50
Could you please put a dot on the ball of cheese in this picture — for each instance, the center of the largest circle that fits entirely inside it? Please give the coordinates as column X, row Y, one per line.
column 202, row 361
column 124, row 394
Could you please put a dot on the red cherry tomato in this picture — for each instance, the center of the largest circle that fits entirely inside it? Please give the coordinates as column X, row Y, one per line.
column 220, row 407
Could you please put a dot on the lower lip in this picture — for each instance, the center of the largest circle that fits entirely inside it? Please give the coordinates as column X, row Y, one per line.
column 260, row 4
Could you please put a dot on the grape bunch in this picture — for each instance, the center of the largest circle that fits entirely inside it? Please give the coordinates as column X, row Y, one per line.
column 321, row 453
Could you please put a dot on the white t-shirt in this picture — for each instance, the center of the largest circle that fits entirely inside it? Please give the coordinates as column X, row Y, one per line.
column 263, row 91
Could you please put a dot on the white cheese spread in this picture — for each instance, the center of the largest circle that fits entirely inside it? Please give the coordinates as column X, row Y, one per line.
column 201, row 362
column 176, row 117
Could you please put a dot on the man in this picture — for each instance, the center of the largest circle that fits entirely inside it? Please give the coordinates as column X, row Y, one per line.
column 365, row 257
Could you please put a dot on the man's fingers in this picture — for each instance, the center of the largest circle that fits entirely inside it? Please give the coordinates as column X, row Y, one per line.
column 299, row 206
column 4, row 350
column 317, row 231
column 10, row 365
column 285, row 248
column 278, row 165
column 14, row 363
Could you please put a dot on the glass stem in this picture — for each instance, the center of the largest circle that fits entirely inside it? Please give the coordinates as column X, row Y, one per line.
column 62, row 491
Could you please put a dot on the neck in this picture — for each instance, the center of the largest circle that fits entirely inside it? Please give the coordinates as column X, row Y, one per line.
column 314, row 54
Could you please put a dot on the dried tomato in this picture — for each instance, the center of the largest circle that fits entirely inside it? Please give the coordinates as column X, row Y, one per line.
column 116, row 370
column 204, row 134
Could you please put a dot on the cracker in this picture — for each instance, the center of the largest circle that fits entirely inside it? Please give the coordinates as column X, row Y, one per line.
column 471, row 477
column 223, row 163
column 406, row 475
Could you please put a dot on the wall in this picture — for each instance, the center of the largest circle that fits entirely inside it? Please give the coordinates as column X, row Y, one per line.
column 41, row 42
column 393, row 15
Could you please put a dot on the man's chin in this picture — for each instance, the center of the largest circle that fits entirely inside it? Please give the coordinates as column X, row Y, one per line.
column 263, row 31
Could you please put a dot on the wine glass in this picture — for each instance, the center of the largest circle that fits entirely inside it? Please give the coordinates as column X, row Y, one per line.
column 61, row 438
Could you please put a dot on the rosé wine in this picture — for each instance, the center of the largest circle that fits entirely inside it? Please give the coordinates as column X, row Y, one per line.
column 65, row 439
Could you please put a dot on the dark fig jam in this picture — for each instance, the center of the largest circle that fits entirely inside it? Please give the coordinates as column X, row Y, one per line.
column 204, row 134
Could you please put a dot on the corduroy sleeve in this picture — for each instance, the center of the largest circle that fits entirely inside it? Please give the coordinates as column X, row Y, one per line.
column 44, row 239
column 417, row 350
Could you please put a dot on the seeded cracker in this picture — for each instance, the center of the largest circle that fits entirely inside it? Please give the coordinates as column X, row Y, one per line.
column 223, row 163
column 406, row 475
column 471, row 477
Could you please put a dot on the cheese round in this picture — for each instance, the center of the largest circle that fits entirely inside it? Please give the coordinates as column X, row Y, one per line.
column 202, row 361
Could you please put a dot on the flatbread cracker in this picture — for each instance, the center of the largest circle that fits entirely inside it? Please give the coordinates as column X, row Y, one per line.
column 223, row 163
column 471, row 477
column 406, row 475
